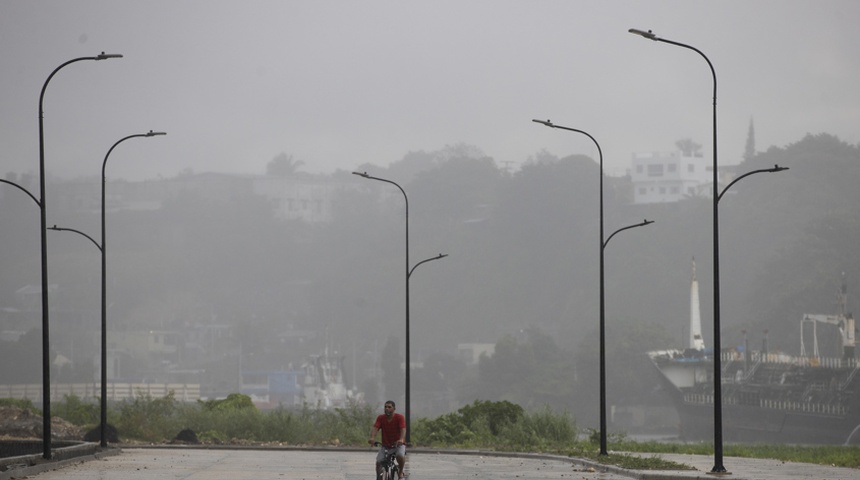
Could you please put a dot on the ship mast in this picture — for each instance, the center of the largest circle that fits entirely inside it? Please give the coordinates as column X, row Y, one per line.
column 696, row 341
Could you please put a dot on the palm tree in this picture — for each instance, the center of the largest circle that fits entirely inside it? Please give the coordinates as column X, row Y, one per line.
column 283, row 165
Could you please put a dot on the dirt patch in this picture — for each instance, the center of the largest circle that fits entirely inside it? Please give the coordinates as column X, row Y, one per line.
column 18, row 423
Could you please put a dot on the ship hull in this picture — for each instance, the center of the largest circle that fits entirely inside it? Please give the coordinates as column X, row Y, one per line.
column 762, row 413
column 766, row 397
column 756, row 425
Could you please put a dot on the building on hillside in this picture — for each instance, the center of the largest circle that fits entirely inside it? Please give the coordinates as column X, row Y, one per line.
column 669, row 177
column 673, row 176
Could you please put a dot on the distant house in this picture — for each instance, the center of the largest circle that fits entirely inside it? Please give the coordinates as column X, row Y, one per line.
column 668, row 177
column 673, row 176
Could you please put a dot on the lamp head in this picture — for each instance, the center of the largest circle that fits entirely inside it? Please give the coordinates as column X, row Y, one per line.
column 361, row 174
column 643, row 33
column 777, row 168
column 152, row 134
column 647, row 222
column 544, row 122
column 105, row 56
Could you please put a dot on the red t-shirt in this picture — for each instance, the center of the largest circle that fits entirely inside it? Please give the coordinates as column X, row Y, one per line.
column 390, row 428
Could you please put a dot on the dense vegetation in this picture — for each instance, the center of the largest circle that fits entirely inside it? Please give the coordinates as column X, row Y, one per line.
column 522, row 275
column 484, row 425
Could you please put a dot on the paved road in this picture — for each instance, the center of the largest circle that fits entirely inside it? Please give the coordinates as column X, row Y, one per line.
column 757, row 469
column 224, row 464
column 200, row 464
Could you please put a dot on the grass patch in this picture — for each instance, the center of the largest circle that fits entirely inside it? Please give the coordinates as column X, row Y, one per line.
column 499, row 426
column 833, row 455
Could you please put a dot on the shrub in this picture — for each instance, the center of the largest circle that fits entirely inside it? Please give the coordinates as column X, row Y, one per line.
column 149, row 419
column 481, row 424
column 19, row 403
column 234, row 401
column 496, row 414
column 74, row 410
column 540, row 430
column 341, row 426
column 232, row 418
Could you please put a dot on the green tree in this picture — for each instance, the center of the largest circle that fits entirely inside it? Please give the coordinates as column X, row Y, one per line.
column 689, row 148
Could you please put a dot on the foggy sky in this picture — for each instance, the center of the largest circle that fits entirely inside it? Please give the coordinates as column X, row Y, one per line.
column 340, row 84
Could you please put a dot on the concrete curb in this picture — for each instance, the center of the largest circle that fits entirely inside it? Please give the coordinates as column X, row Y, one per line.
column 25, row 465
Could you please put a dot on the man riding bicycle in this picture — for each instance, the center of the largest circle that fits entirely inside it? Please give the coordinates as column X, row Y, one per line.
column 393, row 427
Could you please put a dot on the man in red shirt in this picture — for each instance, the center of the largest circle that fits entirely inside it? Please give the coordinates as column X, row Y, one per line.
column 393, row 427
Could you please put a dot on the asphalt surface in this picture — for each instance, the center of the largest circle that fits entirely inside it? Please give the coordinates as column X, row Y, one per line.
column 190, row 463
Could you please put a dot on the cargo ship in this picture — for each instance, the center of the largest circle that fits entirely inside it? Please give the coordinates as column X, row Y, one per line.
column 768, row 397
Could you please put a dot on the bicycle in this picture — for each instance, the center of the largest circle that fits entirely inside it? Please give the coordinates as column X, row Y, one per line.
column 388, row 466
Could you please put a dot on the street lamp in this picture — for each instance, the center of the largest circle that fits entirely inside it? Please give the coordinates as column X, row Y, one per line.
column 408, row 363
column 46, row 364
column 718, row 402
column 103, row 403
column 103, row 425
column 603, row 243
column 408, row 274
column 603, row 428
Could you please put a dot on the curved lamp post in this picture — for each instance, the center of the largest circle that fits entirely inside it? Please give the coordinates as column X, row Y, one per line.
column 628, row 227
column 408, row 358
column 776, row 168
column 60, row 229
column 718, row 391
column 408, row 274
column 603, row 428
column 718, row 402
column 603, row 243
column 103, row 390
column 46, row 372
column 19, row 187
column 103, row 425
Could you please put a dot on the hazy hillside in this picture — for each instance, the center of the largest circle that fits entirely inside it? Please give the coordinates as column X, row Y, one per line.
column 523, row 252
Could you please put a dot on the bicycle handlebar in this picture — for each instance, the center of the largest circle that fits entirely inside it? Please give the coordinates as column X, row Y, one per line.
column 377, row 444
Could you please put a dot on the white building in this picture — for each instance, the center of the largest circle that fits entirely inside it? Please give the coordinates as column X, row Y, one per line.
column 299, row 197
column 669, row 177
